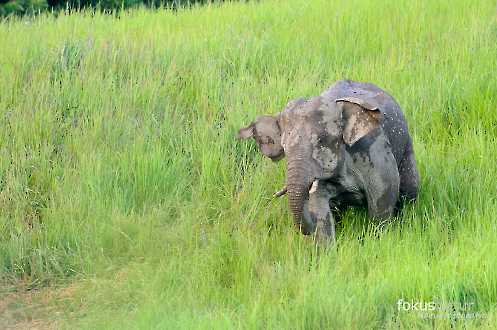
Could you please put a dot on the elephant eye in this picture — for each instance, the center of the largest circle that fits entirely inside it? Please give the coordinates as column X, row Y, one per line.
column 266, row 140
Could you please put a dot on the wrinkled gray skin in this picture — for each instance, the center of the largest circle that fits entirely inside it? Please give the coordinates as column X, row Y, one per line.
column 348, row 146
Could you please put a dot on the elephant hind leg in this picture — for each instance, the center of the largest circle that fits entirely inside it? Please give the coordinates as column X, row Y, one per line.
column 409, row 176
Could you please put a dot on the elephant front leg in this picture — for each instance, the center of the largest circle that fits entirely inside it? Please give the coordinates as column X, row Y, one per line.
column 320, row 213
column 382, row 193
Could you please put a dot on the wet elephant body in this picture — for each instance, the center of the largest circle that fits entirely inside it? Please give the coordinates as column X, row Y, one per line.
column 349, row 146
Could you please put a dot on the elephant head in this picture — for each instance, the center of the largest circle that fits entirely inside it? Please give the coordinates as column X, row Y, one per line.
column 313, row 135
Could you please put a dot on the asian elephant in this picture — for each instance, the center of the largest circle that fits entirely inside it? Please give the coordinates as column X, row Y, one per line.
column 348, row 146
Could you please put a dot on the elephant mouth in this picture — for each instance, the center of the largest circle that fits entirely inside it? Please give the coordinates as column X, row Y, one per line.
column 277, row 158
column 312, row 188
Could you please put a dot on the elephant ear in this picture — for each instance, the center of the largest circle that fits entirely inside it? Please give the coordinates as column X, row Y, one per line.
column 360, row 117
column 267, row 133
column 246, row 132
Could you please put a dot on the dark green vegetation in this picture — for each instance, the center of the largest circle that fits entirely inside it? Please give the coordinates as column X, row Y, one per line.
column 30, row 7
column 121, row 180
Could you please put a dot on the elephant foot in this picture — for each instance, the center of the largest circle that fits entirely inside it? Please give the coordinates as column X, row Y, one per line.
column 325, row 232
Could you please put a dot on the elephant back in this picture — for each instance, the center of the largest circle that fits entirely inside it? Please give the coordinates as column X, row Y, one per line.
column 393, row 121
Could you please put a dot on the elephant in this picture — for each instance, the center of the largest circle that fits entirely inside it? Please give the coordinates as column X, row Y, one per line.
column 349, row 146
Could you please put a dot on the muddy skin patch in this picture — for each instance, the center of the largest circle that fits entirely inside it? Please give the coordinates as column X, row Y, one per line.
column 360, row 151
column 315, row 123
column 358, row 121
column 326, row 139
column 324, row 156
column 329, row 118
column 365, row 143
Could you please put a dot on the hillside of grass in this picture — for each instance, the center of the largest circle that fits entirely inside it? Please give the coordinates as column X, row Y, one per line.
column 127, row 202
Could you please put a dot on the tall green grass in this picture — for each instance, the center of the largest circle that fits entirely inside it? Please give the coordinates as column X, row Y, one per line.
column 120, row 174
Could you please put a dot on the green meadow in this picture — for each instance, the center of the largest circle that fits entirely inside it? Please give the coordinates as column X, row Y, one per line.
column 127, row 203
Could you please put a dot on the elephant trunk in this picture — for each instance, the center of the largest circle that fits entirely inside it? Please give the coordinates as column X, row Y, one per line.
column 298, row 181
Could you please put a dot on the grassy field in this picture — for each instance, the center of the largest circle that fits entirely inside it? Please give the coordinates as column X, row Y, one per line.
column 126, row 202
